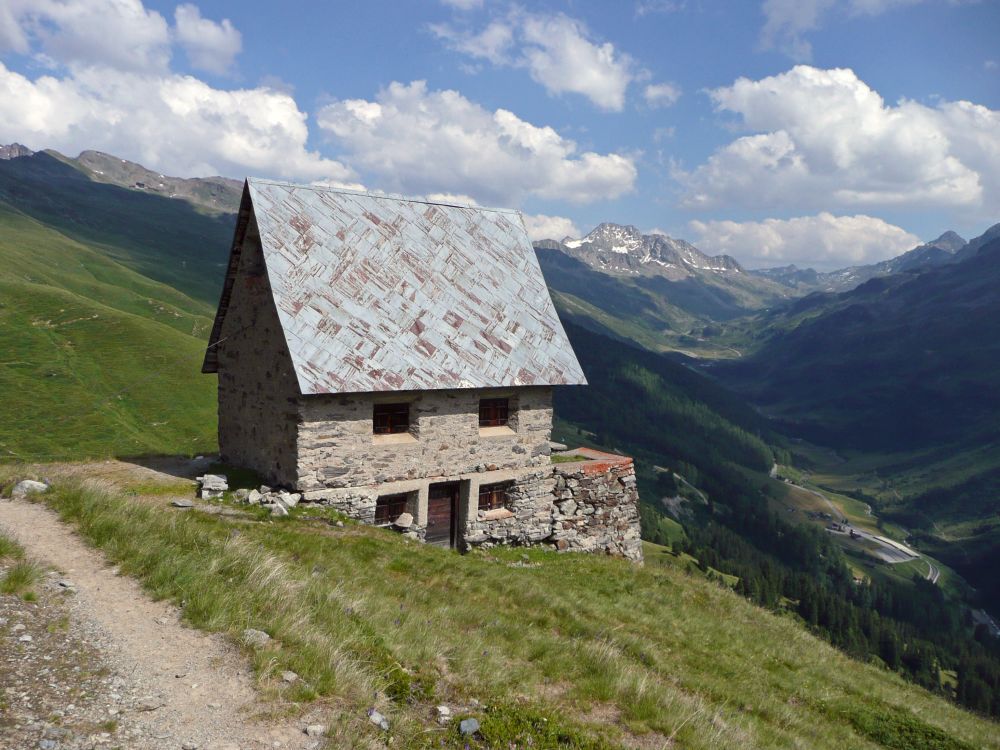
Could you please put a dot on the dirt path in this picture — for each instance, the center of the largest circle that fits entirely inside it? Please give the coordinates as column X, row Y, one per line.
column 177, row 687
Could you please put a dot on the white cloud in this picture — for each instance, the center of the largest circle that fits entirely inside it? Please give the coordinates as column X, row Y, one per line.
column 558, row 52
column 542, row 227
column 463, row 4
column 561, row 57
column 119, row 33
column 661, row 94
column 822, row 241
column 493, row 43
column 172, row 123
column 825, row 139
column 209, row 46
column 455, row 198
column 418, row 142
column 786, row 22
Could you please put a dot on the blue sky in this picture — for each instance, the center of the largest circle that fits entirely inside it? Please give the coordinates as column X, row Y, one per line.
column 820, row 132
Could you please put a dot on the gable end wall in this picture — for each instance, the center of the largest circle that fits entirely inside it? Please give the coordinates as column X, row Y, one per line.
column 257, row 387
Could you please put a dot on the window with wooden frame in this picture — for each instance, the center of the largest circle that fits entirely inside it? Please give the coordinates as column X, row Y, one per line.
column 389, row 507
column 391, row 419
column 493, row 412
column 493, row 496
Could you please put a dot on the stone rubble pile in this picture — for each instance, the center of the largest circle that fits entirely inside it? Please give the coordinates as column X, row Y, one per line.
column 279, row 502
column 212, row 486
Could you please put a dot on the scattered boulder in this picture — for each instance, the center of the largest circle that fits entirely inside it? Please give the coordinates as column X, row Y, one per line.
column 242, row 494
column 254, row 497
column 212, row 486
column 278, row 509
column 378, row 720
column 289, row 676
column 182, row 503
column 444, row 714
column 255, row 638
column 315, row 730
column 289, row 499
column 469, row 726
column 28, row 487
column 404, row 521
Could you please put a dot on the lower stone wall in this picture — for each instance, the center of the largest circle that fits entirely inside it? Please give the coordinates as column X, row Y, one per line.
column 582, row 506
column 597, row 509
column 590, row 505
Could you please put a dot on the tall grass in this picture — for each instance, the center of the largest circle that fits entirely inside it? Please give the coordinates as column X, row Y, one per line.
column 594, row 651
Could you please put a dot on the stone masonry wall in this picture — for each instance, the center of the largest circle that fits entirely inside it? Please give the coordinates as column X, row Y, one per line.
column 257, row 386
column 337, row 448
column 585, row 506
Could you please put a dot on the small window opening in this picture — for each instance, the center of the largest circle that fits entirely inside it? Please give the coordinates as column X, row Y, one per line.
column 493, row 496
column 388, row 508
column 391, row 419
column 493, row 412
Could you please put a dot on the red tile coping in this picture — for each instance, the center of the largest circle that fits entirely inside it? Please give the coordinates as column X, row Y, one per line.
column 597, row 461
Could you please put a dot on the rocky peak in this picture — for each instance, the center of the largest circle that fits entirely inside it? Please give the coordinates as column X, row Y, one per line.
column 614, row 238
column 625, row 249
column 949, row 242
column 14, row 151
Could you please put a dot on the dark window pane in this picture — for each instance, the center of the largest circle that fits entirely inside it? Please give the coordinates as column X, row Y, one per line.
column 493, row 496
column 389, row 419
column 388, row 508
column 493, row 412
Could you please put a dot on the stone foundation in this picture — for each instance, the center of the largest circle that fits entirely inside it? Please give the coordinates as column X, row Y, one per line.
column 591, row 505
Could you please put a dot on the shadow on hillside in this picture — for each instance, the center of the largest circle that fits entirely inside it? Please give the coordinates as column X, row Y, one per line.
column 166, row 239
column 181, row 467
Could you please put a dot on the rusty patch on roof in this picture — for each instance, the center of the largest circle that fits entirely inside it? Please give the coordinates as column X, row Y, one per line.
column 379, row 293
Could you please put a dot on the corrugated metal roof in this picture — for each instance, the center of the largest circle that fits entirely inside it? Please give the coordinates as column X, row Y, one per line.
column 380, row 293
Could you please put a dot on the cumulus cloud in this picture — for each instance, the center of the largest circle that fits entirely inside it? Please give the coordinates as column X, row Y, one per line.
column 542, row 227
column 661, row 94
column 823, row 241
column 558, row 52
column 825, row 139
column 418, row 141
column 167, row 122
column 119, row 33
column 209, row 46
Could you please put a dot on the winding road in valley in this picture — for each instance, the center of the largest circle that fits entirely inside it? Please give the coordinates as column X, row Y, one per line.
column 887, row 550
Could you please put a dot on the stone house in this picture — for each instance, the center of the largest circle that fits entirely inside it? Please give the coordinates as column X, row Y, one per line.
column 395, row 358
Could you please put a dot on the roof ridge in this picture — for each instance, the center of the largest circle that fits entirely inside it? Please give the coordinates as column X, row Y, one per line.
column 382, row 196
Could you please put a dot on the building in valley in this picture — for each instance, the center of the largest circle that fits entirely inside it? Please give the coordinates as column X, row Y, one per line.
column 395, row 359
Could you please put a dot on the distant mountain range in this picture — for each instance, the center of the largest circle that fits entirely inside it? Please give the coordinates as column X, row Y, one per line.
column 213, row 194
column 650, row 288
column 624, row 249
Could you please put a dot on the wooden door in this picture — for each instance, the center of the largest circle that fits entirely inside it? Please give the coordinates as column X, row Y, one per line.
column 442, row 514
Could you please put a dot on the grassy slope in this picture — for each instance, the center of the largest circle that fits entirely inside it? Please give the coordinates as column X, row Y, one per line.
column 570, row 650
column 96, row 359
column 164, row 239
